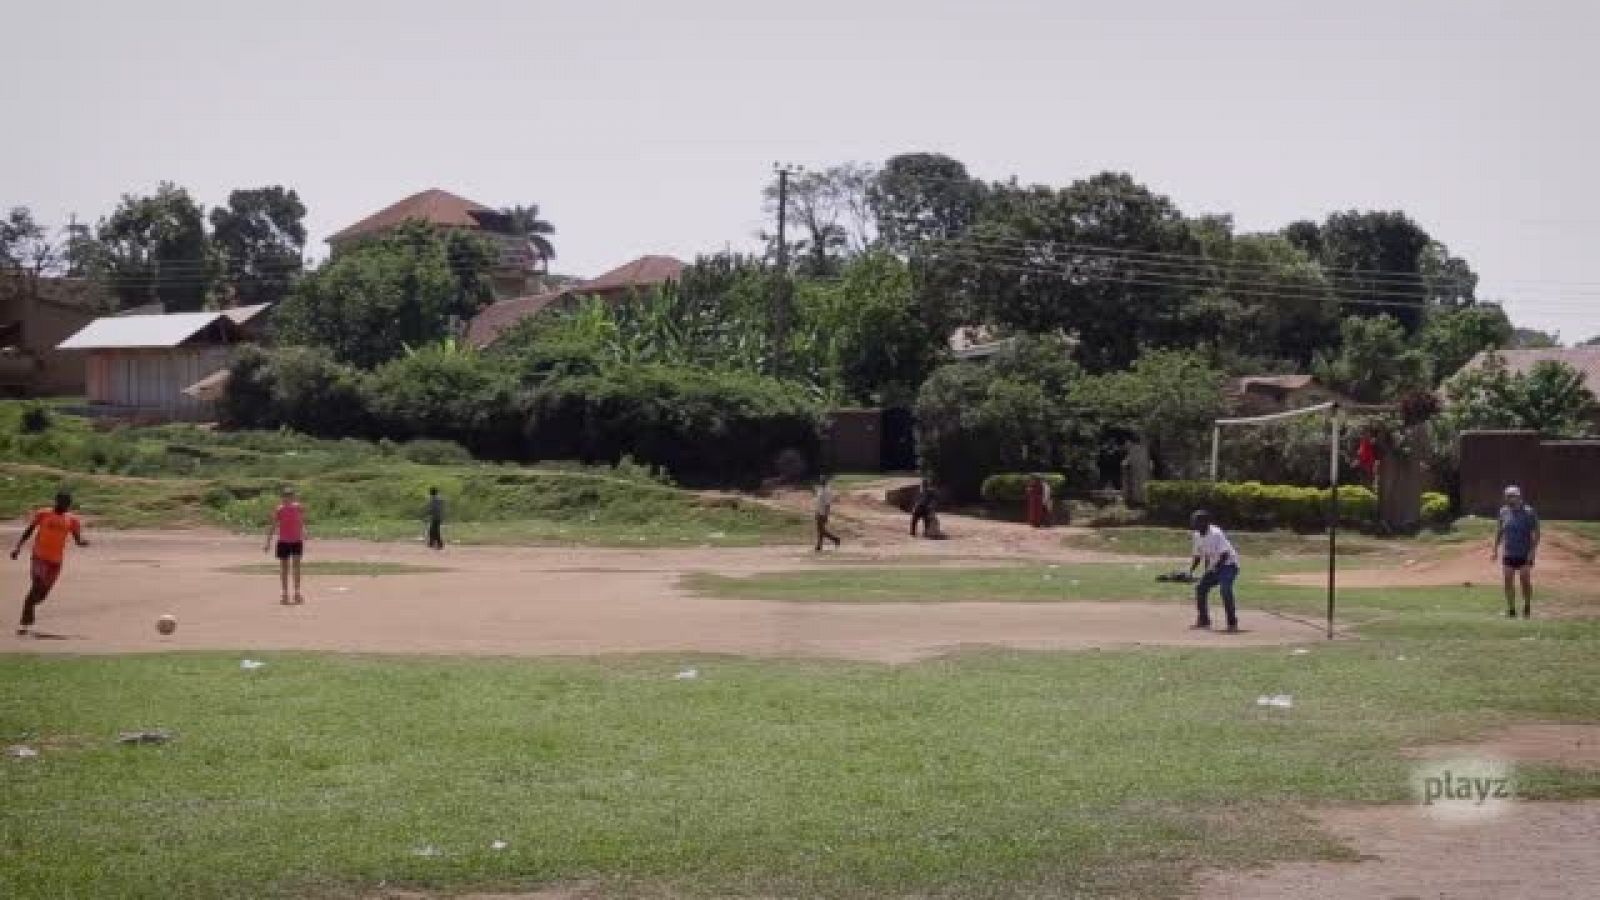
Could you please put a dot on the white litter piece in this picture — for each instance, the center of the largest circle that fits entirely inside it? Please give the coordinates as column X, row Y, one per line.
column 1301, row 651
column 1399, row 659
column 1054, row 566
column 426, row 850
column 21, row 751
column 340, row 590
column 687, row 675
column 499, row 845
column 1075, row 582
column 250, row 665
column 717, row 535
column 1138, row 567
column 1528, row 638
column 1279, row 701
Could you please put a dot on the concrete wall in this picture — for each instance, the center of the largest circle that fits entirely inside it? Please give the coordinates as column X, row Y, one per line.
column 1561, row 479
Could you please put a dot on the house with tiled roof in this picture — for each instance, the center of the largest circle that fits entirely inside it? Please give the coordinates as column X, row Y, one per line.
column 36, row 314
column 519, row 260
column 627, row 280
column 1259, row 395
column 1586, row 360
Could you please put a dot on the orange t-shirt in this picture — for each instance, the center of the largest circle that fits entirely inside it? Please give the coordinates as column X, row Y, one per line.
column 51, row 530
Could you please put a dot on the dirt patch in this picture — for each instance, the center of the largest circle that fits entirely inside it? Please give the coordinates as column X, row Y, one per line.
column 500, row 601
column 1532, row 851
column 1560, row 562
column 1570, row 745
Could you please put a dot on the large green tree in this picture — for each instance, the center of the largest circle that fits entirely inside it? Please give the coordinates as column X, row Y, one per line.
column 260, row 235
column 1262, row 303
column 1550, row 398
column 828, row 218
column 369, row 303
column 1375, row 361
column 1453, row 337
column 26, row 251
column 154, row 249
column 1168, row 397
column 1377, row 260
column 918, row 198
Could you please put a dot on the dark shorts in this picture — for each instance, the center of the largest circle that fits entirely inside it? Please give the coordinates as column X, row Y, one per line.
column 1516, row 562
column 45, row 573
column 291, row 549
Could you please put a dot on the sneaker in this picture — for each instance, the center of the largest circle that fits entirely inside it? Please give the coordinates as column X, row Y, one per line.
column 1512, row 612
column 22, row 632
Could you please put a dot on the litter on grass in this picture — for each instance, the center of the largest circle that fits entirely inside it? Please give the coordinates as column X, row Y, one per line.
column 687, row 675
column 21, row 751
column 1279, row 701
column 250, row 665
column 426, row 850
column 498, row 845
column 1301, row 651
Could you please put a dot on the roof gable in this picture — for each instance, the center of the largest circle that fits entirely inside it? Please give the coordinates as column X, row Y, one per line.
column 434, row 206
column 646, row 271
column 1522, row 360
column 145, row 332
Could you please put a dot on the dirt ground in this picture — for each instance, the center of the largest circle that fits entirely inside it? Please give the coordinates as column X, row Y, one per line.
column 1561, row 561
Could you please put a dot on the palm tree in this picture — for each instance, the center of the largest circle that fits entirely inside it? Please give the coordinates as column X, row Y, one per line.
column 524, row 221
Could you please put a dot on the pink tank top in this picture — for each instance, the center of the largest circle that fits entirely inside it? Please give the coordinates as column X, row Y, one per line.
column 291, row 523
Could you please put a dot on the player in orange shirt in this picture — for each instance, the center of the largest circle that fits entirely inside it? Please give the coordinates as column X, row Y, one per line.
column 53, row 527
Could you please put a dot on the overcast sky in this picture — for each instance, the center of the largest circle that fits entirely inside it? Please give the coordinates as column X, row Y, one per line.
column 647, row 126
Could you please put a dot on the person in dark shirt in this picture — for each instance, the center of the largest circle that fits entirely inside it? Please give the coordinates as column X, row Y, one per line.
column 1516, row 543
column 435, row 519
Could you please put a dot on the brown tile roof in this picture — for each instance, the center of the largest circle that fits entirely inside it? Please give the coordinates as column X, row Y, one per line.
column 646, row 271
column 1585, row 359
column 492, row 321
column 434, row 206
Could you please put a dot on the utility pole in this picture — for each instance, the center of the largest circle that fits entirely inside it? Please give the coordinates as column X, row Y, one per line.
column 781, row 304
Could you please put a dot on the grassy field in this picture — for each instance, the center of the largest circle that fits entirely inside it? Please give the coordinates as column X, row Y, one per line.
column 182, row 476
column 1175, row 542
column 992, row 774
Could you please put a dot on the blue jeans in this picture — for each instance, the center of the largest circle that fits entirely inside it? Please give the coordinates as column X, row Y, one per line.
column 1222, row 576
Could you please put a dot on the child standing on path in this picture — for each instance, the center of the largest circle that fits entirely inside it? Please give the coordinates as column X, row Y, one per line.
column 824, row 509
column 289, row 526
column 435, row 520
column 53, row 527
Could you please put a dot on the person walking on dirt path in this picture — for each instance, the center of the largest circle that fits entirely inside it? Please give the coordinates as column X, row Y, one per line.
column 923, row 510
column 1221, row 560
column 1516, row 543
column 52, row 526
column 435, row 520
column 823, row 508
column 289, row 526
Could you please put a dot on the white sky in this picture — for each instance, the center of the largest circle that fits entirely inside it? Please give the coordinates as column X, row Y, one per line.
column 652, row 126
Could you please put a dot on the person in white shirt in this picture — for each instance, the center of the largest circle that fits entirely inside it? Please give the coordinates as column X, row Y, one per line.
column 1221, row 560
column 823, row 509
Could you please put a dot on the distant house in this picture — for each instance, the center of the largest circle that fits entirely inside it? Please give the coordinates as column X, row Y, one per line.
column 624, row 281
column 1260, row 395
column 143, row 366
column 519, row 262
column 1585, row 359
column 35, row 316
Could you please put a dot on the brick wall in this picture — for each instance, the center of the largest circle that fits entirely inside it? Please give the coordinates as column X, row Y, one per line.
column 1561, row 479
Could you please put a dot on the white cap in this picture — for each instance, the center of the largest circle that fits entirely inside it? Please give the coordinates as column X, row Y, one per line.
column 1513, row 491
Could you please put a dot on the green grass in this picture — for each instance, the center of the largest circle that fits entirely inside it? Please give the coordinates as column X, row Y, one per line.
column 1175, row 543
column 340, row 567
column 989, row 774
column 185, row 476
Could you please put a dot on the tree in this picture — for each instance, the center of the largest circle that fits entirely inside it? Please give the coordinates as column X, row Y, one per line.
column 260, row 236
column 1550, row 398
column 367, row 304
column 525, row 222
column 1170, row 397
column 1264, row 303
column 830, row 213
column 1591, row 342
column 26, row 251
column 1085, row 261
column 1533, row 339
column 1375, row 261
column 1375, row 363
column 865, row 331
column 922, row 197
column 154, row 249
column 1452, row 337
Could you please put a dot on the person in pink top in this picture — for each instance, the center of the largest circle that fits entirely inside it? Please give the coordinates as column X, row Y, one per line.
column 289, row 526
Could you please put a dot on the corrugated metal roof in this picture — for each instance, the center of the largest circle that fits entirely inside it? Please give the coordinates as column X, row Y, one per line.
column 130, row 332
column 243, row 314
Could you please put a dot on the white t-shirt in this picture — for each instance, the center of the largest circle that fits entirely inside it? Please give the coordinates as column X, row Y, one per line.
column 824, row 504
column 1212, row 546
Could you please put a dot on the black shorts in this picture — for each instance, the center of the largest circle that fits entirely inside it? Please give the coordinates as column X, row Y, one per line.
column 1516, row 562
column 291, row 549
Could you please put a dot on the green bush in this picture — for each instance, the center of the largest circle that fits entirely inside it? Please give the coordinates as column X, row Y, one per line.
column 446, row 394
column 1254, row 505
column 1436, row 511
column 293, row 387
column 1010, row 488
column 36, row 419
column 700, row 425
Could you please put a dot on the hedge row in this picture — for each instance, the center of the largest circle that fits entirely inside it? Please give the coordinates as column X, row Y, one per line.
column 1254, row 505
column 700, row 426
column 1010, row 488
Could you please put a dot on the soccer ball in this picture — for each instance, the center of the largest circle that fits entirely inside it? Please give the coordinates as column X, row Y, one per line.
column 166, row 624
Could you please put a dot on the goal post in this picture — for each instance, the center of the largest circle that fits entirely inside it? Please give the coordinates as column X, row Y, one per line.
column 1335, row 427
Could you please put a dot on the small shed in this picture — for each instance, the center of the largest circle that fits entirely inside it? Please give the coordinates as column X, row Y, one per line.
column 139, row 366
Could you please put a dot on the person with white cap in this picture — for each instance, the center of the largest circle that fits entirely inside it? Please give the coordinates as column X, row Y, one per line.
column 1516, row 543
